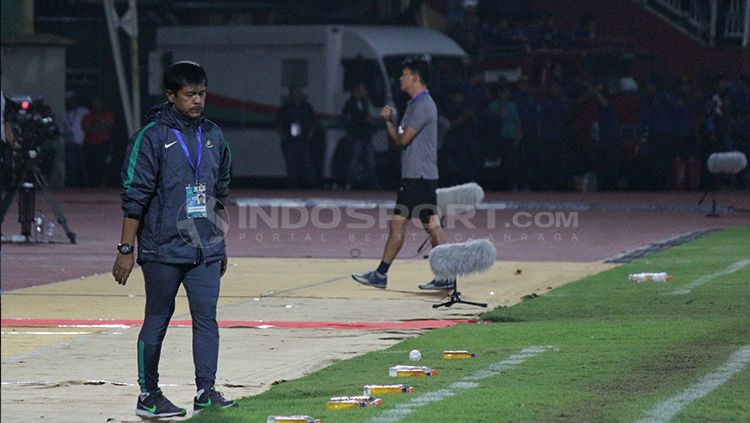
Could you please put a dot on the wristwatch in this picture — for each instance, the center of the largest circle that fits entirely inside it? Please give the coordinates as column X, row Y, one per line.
column 125, row 248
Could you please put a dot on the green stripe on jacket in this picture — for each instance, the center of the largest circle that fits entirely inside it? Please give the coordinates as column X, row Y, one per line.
column 134, row 156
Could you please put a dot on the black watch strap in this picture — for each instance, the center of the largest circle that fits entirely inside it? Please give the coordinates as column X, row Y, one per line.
column 125, row 248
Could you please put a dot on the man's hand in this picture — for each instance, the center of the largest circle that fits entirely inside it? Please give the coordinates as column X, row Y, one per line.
column 224, row 262
column 387, row 113
column 122, row 268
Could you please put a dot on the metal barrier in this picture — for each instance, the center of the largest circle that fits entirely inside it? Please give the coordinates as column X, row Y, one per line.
column 700, row 18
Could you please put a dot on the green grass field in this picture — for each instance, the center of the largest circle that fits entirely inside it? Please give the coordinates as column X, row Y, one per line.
column 613, row 351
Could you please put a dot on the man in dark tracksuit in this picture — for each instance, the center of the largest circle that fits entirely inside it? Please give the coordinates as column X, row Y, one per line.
column 296, row 123
column 175, row 178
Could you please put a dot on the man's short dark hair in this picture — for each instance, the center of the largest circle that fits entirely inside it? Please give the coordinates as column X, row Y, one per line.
column 418, row 65
column 184, row 73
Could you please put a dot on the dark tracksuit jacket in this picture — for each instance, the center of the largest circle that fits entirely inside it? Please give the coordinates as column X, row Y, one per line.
column 173, row 249
column 155, row 174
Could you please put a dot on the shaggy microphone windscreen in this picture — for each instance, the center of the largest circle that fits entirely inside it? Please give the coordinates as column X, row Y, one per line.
column 730, row 162
column 450, row 260
column 457, row 198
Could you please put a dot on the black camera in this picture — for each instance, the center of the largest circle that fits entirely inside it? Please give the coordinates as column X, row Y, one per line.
column 24, row 159
column 32, row 123
column 36, row 136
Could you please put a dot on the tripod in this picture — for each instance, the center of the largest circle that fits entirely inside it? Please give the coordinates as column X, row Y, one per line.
column 712, row 213
column 32, row 176
column 713, row 189
column 456, row 298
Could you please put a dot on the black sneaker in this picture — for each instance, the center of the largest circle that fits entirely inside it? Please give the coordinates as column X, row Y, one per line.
column 210, row 398
column 438, row 285
column 372, row 279
column 155, row 405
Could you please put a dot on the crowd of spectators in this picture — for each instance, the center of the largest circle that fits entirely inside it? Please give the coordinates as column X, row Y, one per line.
column 486, row 29
column 567, row 128
column 560, row 127
column 87, row 142
column 574, row 133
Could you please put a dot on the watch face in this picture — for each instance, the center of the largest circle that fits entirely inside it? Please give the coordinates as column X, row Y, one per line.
column 125, row 248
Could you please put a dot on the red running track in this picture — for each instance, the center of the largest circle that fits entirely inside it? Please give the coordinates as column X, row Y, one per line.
column 599, row 233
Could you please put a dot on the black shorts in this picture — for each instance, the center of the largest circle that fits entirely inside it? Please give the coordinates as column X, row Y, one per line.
column 417, row 198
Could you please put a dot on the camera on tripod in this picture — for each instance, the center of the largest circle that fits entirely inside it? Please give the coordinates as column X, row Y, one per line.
column 35, row 131
column 26, row 158
column 36, row 136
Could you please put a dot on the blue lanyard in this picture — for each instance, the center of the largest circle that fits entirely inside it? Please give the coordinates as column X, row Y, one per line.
column 424, row 93
column 197, row 164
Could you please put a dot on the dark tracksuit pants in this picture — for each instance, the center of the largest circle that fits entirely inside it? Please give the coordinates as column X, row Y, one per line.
column 202, row 287
column 300, row 171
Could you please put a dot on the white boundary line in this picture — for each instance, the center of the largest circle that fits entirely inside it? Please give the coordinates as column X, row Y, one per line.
column 341, row 203
column 666, row 410
column 490, row 205
column 708, row 278
column 42, row 383
column 400, row 411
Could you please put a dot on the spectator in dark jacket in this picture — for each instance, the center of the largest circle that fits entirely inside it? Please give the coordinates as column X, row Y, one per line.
column 296, row 122
column 359, row 125
column 459, row 155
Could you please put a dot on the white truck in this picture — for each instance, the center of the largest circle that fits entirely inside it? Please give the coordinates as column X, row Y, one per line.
column 251, row 67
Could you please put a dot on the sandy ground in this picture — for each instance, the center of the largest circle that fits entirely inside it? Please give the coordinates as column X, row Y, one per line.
column 85, row 374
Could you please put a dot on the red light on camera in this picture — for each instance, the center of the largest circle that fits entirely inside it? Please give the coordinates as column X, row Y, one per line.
column 25, row 105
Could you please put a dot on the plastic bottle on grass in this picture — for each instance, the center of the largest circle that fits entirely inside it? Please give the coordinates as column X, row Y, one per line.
column 407, row 371
column 457, row 354
column 291, row 419
column 649, row 277
column 346, row 403
column 371, row 390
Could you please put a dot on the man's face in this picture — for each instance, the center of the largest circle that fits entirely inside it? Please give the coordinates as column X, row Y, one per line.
column 189, row 100
column 408, row 79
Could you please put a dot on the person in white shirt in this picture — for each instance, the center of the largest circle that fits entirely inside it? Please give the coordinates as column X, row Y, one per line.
column 73, row 135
